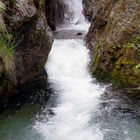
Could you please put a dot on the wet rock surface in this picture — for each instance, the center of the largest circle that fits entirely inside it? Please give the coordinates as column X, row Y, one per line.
column 34, row 92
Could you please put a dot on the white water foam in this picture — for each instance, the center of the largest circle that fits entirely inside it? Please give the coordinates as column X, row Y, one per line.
column 71, row 26
column 67, row 69
column 75, row 9
column 76, row 19
column 78, row 94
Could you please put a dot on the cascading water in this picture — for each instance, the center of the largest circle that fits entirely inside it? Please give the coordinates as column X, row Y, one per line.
column 75, row 109
column 74, row 10
column 78, row 94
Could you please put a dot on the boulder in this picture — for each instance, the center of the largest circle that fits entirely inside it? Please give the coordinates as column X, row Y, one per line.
column 114, row 41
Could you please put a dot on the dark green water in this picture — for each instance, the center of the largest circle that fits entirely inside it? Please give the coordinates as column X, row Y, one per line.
column 17, row 124
column 17, row 118
column 118, row 118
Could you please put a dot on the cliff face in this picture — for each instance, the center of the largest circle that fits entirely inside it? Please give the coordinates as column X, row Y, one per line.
column 114, row 41
column 32, row 39
column 55, row 12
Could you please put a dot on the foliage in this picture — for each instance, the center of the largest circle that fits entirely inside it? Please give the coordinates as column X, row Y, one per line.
column 138, row 66
column 2, row 6
column 6, row 52
column 136, row 43
column 6, row 46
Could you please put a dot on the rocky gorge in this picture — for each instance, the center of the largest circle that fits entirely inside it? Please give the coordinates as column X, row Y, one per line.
column 113, row 39
column 69, row 69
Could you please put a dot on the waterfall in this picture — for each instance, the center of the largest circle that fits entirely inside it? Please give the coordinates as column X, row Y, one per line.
column 75, row 10
column 78, row 94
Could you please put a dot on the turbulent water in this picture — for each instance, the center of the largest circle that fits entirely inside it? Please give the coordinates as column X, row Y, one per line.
column 75, row 9
column 78, row 95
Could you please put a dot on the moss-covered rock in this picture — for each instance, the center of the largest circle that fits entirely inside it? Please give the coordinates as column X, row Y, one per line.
column 115, row 26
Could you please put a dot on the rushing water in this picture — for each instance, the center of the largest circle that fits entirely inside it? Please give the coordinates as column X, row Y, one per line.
column 75, row 9
column 78, row 94
column 79, row 107
column 78, row 97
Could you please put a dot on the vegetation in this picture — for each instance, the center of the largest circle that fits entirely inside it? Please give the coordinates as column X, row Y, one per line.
column 128, row 66
column 6, row 45
column 6, row 52
column 125, row 63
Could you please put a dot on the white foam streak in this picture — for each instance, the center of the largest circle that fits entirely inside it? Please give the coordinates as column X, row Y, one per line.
column 72, row 26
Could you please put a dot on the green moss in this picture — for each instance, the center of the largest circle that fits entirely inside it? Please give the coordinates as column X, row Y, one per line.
column 95, row 62
column 123, row 62
column 115, row 78
column 98, row 45
column 99, row 74
column 121, row 73
column 102, row 76
column 136, row 40
column 134, row 43
column 129, row 45
column 96, row 57
column 2, row 6
column 137, row 66
column 125, row 73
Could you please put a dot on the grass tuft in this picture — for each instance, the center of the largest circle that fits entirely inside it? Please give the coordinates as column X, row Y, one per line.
column 6, row 45
column 7, row 53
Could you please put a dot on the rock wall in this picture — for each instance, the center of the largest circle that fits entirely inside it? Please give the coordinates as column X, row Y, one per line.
column 27, row 24
column 88, row 8
column 114, row 41
column 55, row 12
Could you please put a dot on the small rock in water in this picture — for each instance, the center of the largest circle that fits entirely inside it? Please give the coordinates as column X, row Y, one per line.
column 79, row 33
column 77, row 22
